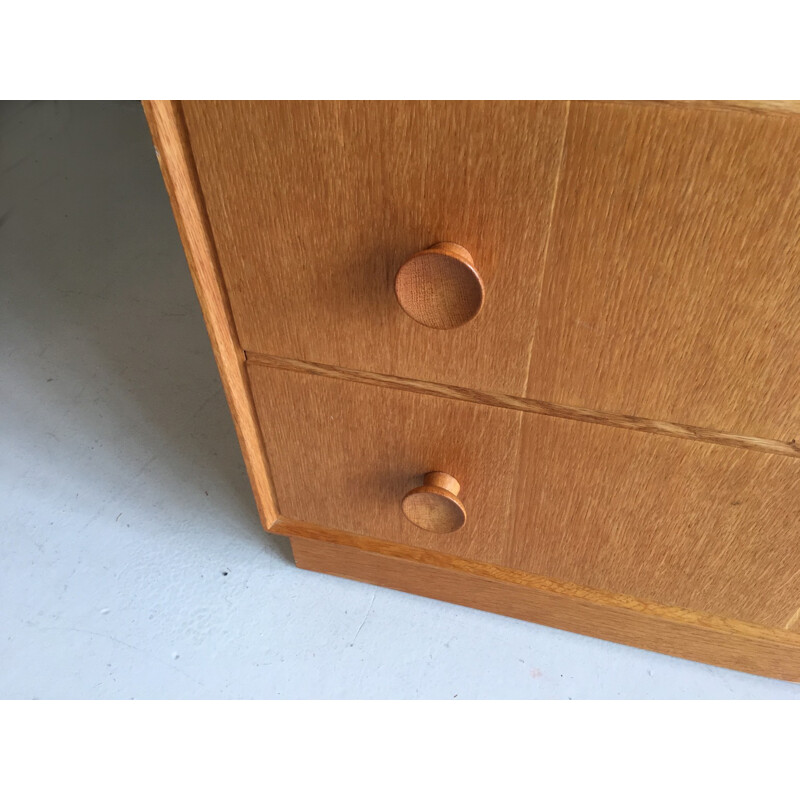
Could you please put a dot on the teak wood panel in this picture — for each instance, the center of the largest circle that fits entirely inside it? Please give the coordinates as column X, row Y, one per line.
column 343, row 455
column 688, row 524
column 316, row 205
column 673, row 270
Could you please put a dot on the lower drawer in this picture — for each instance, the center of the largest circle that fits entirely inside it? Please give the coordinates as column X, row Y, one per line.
column 343, row 455
column 704, row 527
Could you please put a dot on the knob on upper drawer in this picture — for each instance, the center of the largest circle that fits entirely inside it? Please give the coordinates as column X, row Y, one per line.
column 435, row 506
column 440, row 287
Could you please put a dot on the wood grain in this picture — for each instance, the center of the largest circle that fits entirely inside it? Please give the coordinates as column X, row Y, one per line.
column 344, row 455
column 175, row 158
column 641, row 271
column 440, row 287
column 315, row 206
column 529, row 405
column 435, row 506
column 679, row 523
column 757, row 106
column 788, row 633
column 672, row 631
column 673, row 269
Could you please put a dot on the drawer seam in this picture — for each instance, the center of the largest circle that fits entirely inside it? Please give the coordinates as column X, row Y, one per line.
column 529, row 405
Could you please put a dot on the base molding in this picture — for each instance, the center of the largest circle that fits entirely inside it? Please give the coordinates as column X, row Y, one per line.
column 774, row 654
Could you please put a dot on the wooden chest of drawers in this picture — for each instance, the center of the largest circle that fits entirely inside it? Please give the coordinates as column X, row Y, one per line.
column 537, row 358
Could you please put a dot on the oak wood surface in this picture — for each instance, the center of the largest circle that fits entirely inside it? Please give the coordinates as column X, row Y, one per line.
column 667, row 630
column 315, row 206
column 673, row 269
column 177, row 167
column 641, row 272
column 680, row 523
column 669, row 274
column 789, row 633
column 757, row 106
column 344, row 455
column 529, row 405
column 435, row 506
column 440, row 287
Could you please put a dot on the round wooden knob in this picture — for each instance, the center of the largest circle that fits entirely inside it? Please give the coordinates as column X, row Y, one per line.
column 440, row 287
column 435, row 506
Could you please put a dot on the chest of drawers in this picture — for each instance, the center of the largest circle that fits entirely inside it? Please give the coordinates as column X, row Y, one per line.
column 537, row 358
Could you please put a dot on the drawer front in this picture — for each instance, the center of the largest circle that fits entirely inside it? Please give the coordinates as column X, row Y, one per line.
column 315, row 206
column 683, row 523
column 637, row 259
column 343, row 455
column 673, row 269
column 688, row 524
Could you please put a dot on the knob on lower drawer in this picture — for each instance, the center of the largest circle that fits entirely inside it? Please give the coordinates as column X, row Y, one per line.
column 435, row 506
column 440, row 287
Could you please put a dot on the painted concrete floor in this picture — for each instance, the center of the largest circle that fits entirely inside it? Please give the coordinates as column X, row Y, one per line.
column 132, row 563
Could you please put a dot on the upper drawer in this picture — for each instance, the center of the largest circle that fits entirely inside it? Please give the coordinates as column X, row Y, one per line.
column 673, row 269
column 315, row 206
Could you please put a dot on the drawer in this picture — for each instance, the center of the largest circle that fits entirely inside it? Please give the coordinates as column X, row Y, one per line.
column 673, row 269
column 343, row 455
column 683, row 523
column 635, row 258
column 315, row 206
column 661, row 519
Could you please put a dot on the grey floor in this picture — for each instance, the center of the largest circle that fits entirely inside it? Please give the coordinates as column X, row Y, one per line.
column 132, row 563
